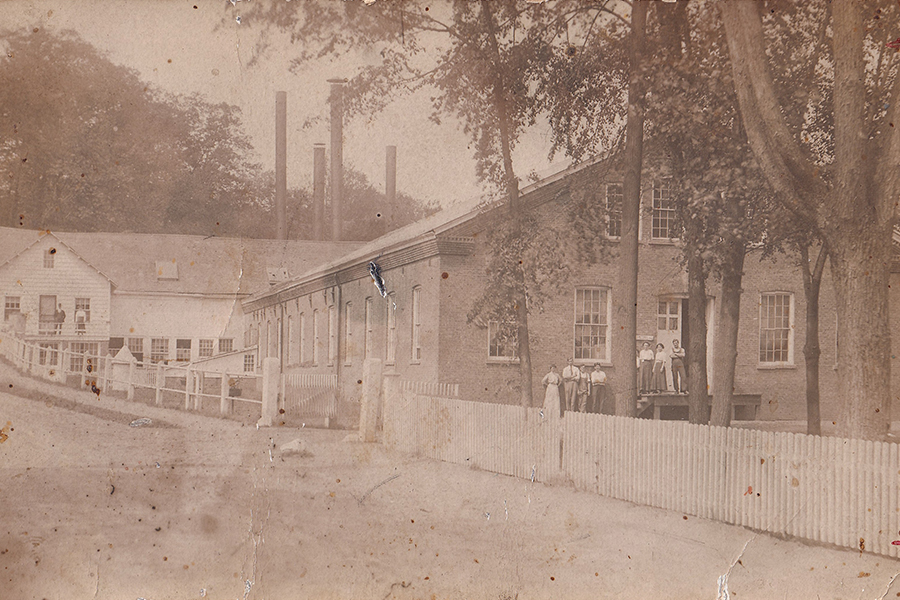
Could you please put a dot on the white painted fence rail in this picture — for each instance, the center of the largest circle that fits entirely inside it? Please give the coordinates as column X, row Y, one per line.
column 825, row 489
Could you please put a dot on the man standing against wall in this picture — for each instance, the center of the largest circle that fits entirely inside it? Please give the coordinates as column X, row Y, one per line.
column 571, row 374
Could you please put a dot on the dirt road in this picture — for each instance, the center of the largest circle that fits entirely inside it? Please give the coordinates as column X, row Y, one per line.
column 200, row 507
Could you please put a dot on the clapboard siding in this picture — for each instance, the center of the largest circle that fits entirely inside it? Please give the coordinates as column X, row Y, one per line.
column 71, row 277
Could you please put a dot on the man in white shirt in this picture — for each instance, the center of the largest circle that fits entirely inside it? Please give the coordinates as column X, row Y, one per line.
column 598, row 389
column 571, row 374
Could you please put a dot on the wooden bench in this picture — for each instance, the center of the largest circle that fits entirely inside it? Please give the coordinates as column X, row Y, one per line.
column 744, row 407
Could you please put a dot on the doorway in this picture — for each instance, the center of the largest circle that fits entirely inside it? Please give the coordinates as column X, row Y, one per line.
column 672, row 324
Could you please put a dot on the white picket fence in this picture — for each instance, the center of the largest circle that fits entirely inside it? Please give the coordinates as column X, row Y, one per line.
column 825, row 489
column 309, row 394
column 430, row 388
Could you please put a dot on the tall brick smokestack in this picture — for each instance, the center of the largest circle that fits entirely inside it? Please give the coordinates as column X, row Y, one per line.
column 319, row 192
column 337, row 157
column 280, row 165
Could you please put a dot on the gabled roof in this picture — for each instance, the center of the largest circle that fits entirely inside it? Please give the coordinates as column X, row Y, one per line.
column 205, row 265
column 41, row 236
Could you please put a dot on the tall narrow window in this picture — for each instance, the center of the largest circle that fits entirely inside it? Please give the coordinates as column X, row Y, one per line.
column 249, row 363
column 663, row 211
column 776, row 328
column 367, row 343
column 292, row 339
column 49, row 255
column 502, row 342
column 347, row 350
column 317, row 341
column 136, row 347
column 302, row 349
column 416, row 325
column 614, row 209
column 390, row 349
column 332, row 334
column 591, row 324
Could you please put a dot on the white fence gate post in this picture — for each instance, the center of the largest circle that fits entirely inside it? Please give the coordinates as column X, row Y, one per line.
column 371, row 399
column 188, row 382
column 271, row 383
column 224, row 407
column 160, row 383
column 132, row 373
column 390, row 396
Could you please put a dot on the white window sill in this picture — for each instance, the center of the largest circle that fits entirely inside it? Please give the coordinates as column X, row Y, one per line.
column 776, row 366
column 499, row 360
column 590, row 363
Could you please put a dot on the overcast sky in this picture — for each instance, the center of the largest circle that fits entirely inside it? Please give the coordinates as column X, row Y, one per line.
column 204, row 49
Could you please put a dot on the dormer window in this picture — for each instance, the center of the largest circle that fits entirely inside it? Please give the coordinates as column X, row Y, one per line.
column 166, row 270
column 49, row 255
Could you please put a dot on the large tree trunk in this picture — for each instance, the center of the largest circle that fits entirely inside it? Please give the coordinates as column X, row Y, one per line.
column 812, row 280
column 860, row 268
column 625, row 338
column 726, row 334
column 515, row 210
column 698, row 384
column 854, row 211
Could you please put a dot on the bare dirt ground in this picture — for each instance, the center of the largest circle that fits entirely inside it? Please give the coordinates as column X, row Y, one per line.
column 193, row 506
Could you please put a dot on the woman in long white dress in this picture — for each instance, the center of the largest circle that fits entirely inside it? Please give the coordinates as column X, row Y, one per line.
column 551, row 383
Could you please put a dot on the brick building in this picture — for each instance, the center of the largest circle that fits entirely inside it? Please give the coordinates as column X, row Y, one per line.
column 330, row 319
column 166, row 297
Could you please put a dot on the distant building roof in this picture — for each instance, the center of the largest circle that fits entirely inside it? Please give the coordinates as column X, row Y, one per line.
column 200, row 265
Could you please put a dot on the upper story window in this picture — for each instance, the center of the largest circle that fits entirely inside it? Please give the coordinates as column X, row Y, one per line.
column 227, row 345
column 49, row 256
column 776, row 329
column 12, row 306
column 249, row 363
column 502, row 342
column 82, row 310
column 390, row 351
column 416, row 324
column 592, row 324
column 663, row 223
column 614, row 209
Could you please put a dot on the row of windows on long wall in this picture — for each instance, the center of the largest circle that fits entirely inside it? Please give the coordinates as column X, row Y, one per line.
column 159, row 347
column 592, row 315
column 300, row 332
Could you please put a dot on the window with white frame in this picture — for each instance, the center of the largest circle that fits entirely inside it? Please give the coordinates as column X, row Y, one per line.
column 416, row 324
column 390, row 347
column 183, row 350
column 347, row 350
column 614, row 209
column 592, row 323
column 332, row 334
column 12, row 306
column 301, row 354
column 83, row 305
column 227, row 345
column 249, row 363
column 205, row 348
column 367, row 343
column 49, row 256
column 776, row 328
column 663, row 223
column 136, row 347
column 317, row 340
column 502, row 341
column 159, row 349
